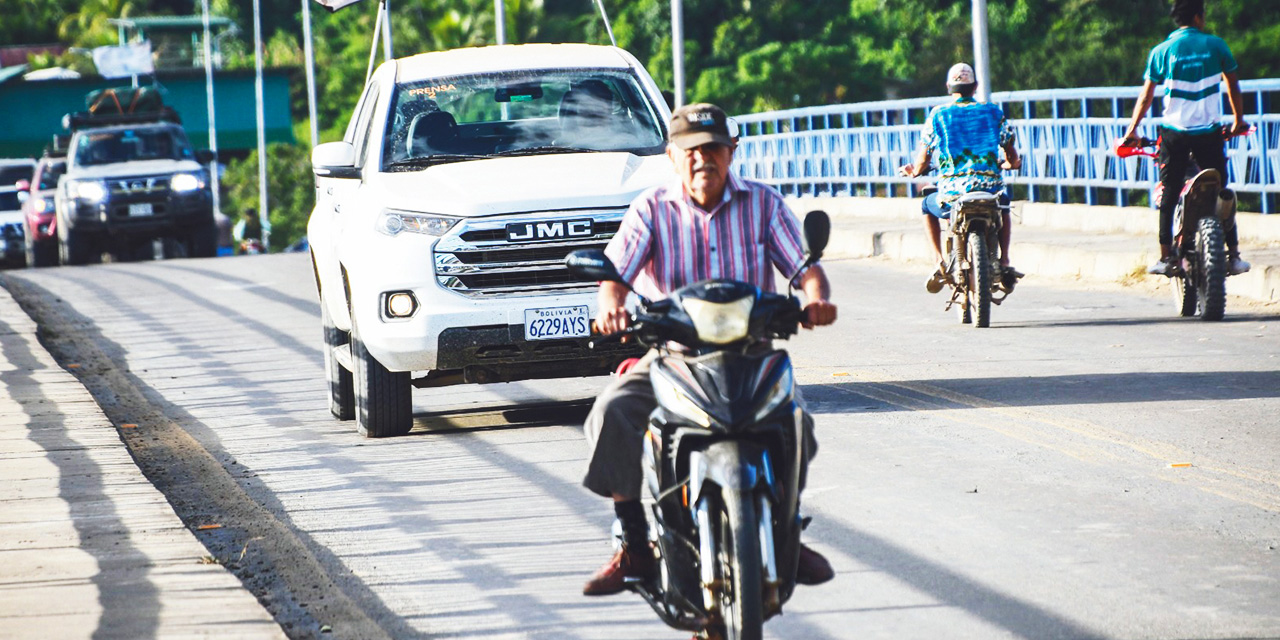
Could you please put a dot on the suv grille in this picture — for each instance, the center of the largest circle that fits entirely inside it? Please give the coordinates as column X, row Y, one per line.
column 475, row 259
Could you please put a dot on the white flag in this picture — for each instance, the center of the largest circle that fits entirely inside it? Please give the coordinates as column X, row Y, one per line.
column 334, row 5
column 127, row 60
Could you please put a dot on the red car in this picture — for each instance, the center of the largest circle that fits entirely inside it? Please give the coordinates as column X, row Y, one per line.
column 39, row 221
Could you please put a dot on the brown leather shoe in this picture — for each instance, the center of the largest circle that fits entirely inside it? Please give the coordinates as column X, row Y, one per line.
column 813, row 568
column 612, row 577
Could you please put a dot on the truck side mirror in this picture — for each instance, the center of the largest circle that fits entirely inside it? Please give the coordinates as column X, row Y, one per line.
column 334, row 160
column 205, row 156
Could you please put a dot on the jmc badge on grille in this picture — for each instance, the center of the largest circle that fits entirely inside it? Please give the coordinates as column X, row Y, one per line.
column 552, row 230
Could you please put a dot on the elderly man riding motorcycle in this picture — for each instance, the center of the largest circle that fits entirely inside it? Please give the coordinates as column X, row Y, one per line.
column 707, row 223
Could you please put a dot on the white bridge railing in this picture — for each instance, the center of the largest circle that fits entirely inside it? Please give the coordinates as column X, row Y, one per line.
column 1064, row 136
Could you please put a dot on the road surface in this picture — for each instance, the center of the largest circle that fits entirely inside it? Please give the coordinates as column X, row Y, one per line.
column 1090, row 467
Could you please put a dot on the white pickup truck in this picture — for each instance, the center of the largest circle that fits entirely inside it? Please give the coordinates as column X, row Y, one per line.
column 443, row 217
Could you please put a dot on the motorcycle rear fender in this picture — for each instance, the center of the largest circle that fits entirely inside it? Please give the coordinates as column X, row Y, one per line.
column 730, row 464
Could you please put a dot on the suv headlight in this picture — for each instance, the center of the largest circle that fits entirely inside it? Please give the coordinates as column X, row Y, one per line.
column 392, row 222
column 88, row 190
column 719, row 322
column 184, row 182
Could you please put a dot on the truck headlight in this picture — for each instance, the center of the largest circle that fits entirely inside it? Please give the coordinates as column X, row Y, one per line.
column 720, row 322
column 392, row 222
column 89, row 190
column 184, row 182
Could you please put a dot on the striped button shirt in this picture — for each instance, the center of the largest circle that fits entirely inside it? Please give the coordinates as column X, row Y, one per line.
column 666, row 241
column 1190, row 64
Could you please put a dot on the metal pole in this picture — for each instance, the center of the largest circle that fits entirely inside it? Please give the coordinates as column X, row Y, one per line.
column 980, row 52
column 311, row 71
column 499, row 22
column 677, row 51
column 607, row 27
column 386, row 30
column 263, row 218
column 213, row 126
column 373, row 50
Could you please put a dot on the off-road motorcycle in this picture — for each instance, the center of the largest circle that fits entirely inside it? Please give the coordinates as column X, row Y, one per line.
column 972, row 271
column 722, row 456
column 1199, row 255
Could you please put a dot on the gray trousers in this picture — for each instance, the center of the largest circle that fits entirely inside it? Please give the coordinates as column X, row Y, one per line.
column 616, row 426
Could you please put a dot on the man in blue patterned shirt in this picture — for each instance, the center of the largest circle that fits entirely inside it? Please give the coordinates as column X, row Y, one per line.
column 966, row 137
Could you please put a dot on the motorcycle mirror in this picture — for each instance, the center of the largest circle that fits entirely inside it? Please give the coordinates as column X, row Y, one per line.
column 593, row 264
column 817, row 231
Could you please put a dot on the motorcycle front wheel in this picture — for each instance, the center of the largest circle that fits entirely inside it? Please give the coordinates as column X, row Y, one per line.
column 741, row 572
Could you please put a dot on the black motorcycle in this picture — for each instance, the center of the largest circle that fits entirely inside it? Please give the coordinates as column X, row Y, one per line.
column 722, row 457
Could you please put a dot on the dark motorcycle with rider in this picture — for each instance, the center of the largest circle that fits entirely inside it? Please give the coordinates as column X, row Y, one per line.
column 1205, row 211
column 722, row 459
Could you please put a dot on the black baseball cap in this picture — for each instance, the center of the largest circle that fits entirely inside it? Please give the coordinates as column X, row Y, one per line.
column 694, row 125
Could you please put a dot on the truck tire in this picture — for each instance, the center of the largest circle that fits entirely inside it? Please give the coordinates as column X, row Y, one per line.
column 75, row 247
column 203, row 242
column 342, row 394
column 42, row 254
column 384, row 400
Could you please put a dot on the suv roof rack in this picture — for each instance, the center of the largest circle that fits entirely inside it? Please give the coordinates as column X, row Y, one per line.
column 83, row 119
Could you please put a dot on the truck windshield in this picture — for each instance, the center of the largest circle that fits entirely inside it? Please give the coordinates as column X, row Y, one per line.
column 520, row 113
column 125, row 145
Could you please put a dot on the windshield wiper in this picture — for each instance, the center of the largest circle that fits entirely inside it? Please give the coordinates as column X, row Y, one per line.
column 550, row 148
column 439, row 158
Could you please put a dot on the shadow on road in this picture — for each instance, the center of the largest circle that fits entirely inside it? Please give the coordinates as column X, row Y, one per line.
column 1082, row 389
column 1127, row 322
column 130, row 601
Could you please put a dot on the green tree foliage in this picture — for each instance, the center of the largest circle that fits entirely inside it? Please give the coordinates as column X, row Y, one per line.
column 289, row 182
column 747, row 55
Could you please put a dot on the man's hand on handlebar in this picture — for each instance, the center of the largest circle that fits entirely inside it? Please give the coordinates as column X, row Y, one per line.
column 1012, row 165
column 612, row 320
column 818, row 313
column 1237, row 128
column 908, row 170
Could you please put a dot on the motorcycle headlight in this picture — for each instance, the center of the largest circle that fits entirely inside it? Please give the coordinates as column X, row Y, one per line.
column 90, row 190
column 393, row 223
column 780, row 392
column 41, row 205
column 184, row 182
column 671, row 397
column 720, row 322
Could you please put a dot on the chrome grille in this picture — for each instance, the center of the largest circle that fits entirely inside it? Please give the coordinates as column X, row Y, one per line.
column 138, row 186
column 475, row 259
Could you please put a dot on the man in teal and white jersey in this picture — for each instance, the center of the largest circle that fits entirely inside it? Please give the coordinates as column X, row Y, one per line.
column 1190, row 64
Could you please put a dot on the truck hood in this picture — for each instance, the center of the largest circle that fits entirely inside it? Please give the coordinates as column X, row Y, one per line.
column 532, row 183
column 135, row 168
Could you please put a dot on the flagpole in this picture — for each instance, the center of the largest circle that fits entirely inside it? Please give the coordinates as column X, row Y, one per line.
column 263, row 218
column 311, row 71
column 386, row 30
column 213, row 127
column 499, row 22
column 373, row 51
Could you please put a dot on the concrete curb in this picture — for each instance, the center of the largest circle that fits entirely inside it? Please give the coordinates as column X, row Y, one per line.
column 88, row 547
column 1071, row 241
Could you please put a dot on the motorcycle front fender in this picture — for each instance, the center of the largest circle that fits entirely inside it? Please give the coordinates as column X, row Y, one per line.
column 730, row 464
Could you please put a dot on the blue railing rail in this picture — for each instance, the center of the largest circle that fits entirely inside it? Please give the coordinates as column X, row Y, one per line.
column 1065, row 137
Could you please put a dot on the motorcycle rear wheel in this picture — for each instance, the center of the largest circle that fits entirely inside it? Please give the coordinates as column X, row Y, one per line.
column 980, row 278
column 741, row 572
column 1211, row 285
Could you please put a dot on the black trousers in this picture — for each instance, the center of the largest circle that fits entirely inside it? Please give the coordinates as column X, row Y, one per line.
column 1177, row 148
